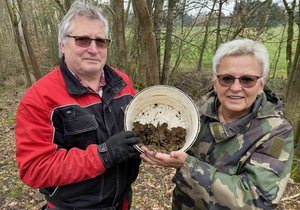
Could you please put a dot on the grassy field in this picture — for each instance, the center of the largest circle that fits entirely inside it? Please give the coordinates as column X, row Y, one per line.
column 186, row 49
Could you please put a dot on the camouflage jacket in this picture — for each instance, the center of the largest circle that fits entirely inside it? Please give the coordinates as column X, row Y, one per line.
column 241, row 165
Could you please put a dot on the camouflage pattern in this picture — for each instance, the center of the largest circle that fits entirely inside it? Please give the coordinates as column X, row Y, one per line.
column 241, row 165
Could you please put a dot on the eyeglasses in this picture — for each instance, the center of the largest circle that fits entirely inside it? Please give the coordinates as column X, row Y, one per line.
column 85, row 41
column 247, row 81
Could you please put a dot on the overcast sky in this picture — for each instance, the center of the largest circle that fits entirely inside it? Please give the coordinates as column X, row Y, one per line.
column 194, row 7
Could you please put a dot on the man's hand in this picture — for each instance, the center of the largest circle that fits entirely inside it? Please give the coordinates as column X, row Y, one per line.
column 118, row 149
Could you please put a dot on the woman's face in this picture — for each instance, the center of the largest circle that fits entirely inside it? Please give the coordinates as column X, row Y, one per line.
column 235, row 99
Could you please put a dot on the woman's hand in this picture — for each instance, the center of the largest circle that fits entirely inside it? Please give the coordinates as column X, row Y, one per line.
column 175, row 159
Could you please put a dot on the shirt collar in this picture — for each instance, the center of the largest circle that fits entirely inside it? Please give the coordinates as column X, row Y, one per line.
column 102, row 82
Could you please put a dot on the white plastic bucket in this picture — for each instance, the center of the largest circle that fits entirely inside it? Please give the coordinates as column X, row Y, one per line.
column 164, row 104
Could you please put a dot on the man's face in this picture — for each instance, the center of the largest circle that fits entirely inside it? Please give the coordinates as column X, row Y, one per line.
column 236, row 100
column 85, row 61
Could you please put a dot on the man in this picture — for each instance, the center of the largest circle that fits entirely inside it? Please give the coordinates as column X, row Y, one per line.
column 70, row 141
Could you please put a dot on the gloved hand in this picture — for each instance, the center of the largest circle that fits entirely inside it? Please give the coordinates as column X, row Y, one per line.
column 118, row 149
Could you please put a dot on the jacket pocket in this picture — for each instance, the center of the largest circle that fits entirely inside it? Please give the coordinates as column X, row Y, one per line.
column 269, row 163
column 81, row 131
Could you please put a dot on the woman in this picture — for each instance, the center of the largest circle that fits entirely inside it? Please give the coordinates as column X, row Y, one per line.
column 243, row 155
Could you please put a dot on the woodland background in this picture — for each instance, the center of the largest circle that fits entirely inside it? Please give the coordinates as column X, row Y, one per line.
column 155, row 42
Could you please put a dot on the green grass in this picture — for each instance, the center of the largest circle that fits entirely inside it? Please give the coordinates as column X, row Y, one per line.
column 10, row 121
column 17, row 189
column 188, row 52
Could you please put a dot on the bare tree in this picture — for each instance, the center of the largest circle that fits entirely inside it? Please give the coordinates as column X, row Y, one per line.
column 183, row 42
column 278, row 53
column 2, row 49
column 297, row 52
column 290, row 32
column 292, row 99
column 168, row 42
column 32, row 58
column 119, row 45
column 218, row 33
column 205, row 36
column 243, row 17
column 136, row 56
column 2, row 66
column 263, row 18
column 13, row 17
column 148, row 33
column 292, row 107
column 158, row 20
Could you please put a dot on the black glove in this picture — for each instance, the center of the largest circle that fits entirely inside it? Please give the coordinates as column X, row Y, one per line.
column 118, row 149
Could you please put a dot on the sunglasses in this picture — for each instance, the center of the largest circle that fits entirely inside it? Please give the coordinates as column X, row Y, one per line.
column 85, row 41
column 247, row 81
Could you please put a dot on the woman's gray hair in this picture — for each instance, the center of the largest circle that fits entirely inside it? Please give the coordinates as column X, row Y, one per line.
column 79, row 8
column 242, row 47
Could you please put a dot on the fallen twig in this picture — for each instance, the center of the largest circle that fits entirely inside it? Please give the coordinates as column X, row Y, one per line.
column 291, row 197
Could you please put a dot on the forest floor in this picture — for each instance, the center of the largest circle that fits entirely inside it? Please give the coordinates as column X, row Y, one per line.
column 152, row 190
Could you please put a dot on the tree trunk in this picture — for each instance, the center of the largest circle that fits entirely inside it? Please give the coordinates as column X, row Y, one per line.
column 290, row 33
column 297, row 52
column 263, row 18
column 185, row 34
column 34, row 63
column 292, row 105
column 168, row 42
column 14, row 21
column 278, row 53
column 218, row 35
column 119, row 45
column 2, row 65
column 242, row 20
column 205, row 36
column 149, row 36
column 158, row 19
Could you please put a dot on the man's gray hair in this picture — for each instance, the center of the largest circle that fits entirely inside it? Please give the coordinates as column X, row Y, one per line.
column 242, row 47
column 79, row 8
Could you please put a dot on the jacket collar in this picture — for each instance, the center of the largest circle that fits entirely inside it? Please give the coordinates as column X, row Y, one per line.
column 114, row 83
column 74, row 87
column 265, row 105
column 222, row 131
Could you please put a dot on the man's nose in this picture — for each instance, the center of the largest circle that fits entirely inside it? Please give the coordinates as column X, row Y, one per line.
column 93, row 46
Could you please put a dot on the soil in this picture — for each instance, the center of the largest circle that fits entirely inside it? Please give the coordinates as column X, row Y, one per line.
column 160, row 138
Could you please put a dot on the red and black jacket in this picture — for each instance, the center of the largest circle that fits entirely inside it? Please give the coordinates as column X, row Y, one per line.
column 59, row 124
